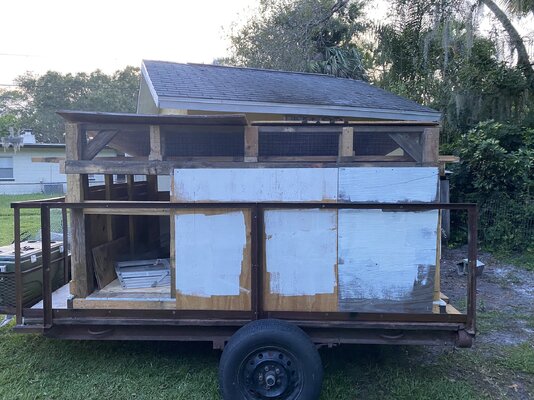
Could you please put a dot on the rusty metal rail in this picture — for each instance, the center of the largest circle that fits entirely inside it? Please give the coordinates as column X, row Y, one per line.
column 327, row 327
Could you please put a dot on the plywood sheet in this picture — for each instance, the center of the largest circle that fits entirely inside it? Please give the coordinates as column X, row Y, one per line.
column 212, row 259
column 388, row 185
column 105, row 257
column 386, row 260
column 300, row 260
column 255, row 184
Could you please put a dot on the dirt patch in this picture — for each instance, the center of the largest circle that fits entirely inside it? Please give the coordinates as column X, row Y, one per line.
column 505, row 296
column 505, row 326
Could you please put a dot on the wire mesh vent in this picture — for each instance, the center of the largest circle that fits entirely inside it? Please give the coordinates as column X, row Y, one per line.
column 298, row 144
column 212, row 143
column 373, row 144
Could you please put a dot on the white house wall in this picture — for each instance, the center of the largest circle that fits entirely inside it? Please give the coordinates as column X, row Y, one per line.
column 30, row 177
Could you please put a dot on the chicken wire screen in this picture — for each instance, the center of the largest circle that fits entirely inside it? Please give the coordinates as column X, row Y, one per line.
column 298, row 144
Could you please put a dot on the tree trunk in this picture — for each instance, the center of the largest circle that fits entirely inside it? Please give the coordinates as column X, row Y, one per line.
column 523, row 60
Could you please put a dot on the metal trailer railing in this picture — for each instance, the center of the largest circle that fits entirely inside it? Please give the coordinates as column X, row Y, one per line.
column 218, row 325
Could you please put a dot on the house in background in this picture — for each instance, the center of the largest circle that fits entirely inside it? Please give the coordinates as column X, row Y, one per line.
column 191, row 89
column 34, row 167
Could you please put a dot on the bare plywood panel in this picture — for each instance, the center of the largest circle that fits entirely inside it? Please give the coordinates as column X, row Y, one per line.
column 300, row 260
column 212, row 259
column 386, row 260
column 251, row 185
column 104, row 257
column 388, row 185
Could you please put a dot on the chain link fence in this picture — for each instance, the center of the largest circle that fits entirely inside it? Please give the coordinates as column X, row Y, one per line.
column 30, row 219
column 507, row 225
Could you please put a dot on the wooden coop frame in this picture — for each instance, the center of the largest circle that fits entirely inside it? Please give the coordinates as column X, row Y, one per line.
column 128, row 213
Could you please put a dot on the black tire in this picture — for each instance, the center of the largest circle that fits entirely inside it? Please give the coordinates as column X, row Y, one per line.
column 270, row 359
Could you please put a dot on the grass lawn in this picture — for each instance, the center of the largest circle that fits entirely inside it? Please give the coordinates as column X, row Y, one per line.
column 29, row 218
column 33, row 367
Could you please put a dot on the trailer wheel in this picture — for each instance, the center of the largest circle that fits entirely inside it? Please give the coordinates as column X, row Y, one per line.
column 270, row 359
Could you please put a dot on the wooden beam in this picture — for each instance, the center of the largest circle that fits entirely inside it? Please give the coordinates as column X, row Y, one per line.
column 334, row 130
column 82, row 280
column 346, row 142
column 55, row 160
column 166, row 167
column 109, row 218
column 156, row 144
column 410, row 144
column 251, row 144
column 430, row 144
column 95, row 145
column 153, row 223
column 132, row 229
column 448, row 159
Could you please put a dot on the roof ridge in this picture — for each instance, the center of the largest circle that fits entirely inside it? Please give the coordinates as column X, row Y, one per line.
column 258, row 69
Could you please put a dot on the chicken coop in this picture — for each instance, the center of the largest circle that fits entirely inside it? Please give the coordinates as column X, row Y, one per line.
column 208, row 225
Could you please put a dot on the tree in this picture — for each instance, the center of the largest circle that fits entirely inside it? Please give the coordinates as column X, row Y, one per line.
column 516, row 41
column 432, row 53
column 13, row 108
column 301, row 35
column 37, row 99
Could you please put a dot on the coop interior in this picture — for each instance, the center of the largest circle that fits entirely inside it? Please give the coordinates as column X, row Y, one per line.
column 311, row 259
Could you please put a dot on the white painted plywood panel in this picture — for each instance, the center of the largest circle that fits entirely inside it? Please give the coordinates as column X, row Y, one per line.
column 388, row 185
column 255, row 184
column 209, row 253
column 385, row 255
column 301, row 251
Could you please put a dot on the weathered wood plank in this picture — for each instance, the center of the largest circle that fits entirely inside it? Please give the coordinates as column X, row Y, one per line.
column 388, row 185
column 132, row 227
column 251, row 185
column 156, row 144
column 108, row 179
column 334, row 130
column 54, row 160
column 430, row 143
column 251, row 144
column 410, row 144
column 105, row 257
column 346, row 142
column 166, row 167
column 97, row 144
column 82, row 278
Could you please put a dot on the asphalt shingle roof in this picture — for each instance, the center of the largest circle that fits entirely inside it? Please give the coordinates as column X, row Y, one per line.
column 203, row 81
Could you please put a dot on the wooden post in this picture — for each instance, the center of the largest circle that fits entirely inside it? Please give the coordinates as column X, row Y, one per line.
column 251, row 144
column 153, row 226
column 430, row 143
column 346, row 143
column 131, row 219
column 156, row 144
column 82, row 280
column 108, row 179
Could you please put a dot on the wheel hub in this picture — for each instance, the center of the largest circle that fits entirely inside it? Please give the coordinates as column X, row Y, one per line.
column 270, row 374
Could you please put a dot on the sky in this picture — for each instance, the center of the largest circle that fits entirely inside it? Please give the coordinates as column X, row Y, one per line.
column 74, row 35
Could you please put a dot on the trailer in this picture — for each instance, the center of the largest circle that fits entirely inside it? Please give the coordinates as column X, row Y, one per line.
column 268, row 239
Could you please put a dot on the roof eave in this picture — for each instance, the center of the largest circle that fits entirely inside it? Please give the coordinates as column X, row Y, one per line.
column 295, row 109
